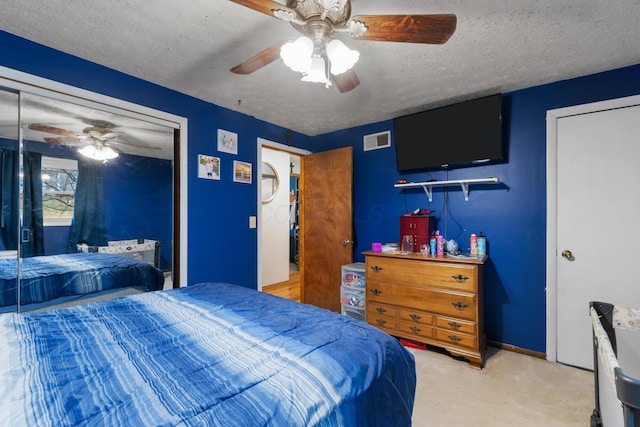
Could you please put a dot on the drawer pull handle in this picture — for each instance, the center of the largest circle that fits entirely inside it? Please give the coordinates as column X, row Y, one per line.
column 459, row 305
column 460, row 278
column 455, row 338
column 454, row 325
column 415, row 317
column 381, row 310
column 381, row 322
column 376, row 268
column 376, row 291
column 415, row 330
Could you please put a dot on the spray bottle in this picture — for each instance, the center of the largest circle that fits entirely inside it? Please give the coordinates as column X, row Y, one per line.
column 482, row 245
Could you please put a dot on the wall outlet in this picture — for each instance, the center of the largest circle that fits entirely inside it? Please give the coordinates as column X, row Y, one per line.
column 252, row 221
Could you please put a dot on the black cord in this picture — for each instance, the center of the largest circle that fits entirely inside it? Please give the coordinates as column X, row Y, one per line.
column 447, row 212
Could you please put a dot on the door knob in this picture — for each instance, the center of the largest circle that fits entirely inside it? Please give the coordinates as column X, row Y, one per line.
column 567, row 254
column 347, row 242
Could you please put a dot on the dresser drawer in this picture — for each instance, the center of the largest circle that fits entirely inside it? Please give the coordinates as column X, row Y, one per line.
column 455, row 338
column 441, row 302
column 456, row 325
column 380, row 310
column 381, row 321
column 415, row 316
column 417, row 329
column 429, row 274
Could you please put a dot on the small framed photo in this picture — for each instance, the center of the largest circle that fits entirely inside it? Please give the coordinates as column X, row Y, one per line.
column 242, row 172
column 227, row 141
column 208, row 167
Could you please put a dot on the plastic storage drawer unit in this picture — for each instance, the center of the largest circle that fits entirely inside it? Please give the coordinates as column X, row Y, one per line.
column 353, row 275
column 353, row 312
column 352, row 296
column 352, row 290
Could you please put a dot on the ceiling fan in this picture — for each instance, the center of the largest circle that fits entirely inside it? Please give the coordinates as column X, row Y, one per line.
column 320, row 20
column 95, row 141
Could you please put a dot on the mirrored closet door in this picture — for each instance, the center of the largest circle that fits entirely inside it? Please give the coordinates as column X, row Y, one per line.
column 77, row 178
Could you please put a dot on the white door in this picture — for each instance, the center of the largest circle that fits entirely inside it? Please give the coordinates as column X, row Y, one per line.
column 598, row 222
column 275, row 219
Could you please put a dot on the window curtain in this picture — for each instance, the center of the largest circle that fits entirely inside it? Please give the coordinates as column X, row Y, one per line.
column 88, row 224
column 10, row 199
column 32, row 216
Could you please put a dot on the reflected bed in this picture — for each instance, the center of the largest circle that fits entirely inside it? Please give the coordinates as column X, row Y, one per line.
column 57, row 278
column 208, row 354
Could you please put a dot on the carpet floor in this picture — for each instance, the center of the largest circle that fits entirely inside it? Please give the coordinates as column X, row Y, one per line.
column 511, row 390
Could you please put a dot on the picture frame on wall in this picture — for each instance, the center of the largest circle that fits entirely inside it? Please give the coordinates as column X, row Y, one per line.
column 208, row 167
column 242, row 172
column 227, row 141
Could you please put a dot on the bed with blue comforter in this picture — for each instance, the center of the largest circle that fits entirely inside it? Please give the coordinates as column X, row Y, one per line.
column 47, row 278
column 210, row 354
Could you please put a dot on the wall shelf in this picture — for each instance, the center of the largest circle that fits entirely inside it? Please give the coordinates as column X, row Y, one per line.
column 463, row 183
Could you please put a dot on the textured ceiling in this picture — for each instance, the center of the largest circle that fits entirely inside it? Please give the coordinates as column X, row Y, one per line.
column 190, row 46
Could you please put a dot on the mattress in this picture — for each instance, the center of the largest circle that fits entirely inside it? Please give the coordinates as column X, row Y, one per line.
column 210, row 354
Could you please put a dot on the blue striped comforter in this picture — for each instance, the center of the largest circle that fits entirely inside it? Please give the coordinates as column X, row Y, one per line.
column 210, row 355
column 44, row 278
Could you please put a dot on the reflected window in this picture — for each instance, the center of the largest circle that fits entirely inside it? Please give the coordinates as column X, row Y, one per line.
column 59, row 178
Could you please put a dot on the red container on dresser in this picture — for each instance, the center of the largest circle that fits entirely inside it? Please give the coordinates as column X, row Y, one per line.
column 420, row 227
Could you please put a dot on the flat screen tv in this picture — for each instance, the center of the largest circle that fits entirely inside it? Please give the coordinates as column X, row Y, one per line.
column 463, row 134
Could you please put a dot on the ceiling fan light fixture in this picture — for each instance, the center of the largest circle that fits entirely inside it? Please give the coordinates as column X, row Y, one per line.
column 297, row 55
column 318, row 71
column 341, row 57
column 98, row 153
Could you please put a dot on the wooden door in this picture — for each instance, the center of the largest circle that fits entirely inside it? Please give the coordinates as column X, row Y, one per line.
column 597, row 222
column 325, row 225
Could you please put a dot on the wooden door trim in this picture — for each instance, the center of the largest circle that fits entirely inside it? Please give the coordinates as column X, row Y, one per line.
column 265, row 143
column 552, row 217
column 301, row 219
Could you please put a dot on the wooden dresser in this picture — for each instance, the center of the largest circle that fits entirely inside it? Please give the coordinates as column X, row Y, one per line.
column 435, row 301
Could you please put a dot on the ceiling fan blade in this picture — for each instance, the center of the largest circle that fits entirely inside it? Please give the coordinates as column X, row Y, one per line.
column 258, row 61
column 131, row 144
column 431, row 29
column 65, row 140
column 51, row 129
column 346, row 81
column 265, row 6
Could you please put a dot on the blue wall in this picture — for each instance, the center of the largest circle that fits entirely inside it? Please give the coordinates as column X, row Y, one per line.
column 138, row 201
column 512, row 215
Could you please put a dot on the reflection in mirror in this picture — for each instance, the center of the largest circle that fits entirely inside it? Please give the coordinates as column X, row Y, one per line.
column 270, row 182
column 9, row 134
column 96, row 192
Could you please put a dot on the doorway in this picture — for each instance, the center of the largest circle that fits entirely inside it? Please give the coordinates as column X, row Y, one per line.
column 591, row 162
column 278, row 207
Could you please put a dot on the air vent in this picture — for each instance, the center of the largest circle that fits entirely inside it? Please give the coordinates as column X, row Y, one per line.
column 377, row 140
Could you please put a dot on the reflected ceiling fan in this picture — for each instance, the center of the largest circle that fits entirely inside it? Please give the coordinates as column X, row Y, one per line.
column 321, row 57
column 95, row 141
